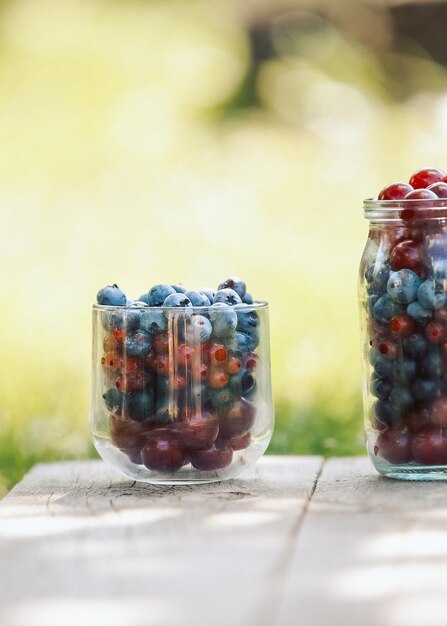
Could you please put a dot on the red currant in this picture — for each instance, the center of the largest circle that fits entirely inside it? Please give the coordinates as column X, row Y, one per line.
column 402, row 325
column 388, row 348
column 407, row 255
column 132, row 381
column 435, row 332
column 439, row 189
column 395, row 191
column 218, row 353
column 426, row 177
column 233, row 365
column 217, row 378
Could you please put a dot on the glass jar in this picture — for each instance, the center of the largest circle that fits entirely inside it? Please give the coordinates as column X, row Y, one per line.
column 181, row 395
column 403, row 303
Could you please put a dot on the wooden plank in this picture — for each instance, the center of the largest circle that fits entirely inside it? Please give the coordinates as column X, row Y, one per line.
column 79, row 545
column 371, row 551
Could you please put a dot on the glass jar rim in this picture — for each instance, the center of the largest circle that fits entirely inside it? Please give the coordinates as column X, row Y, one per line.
column 393, row 210
column 257, row 304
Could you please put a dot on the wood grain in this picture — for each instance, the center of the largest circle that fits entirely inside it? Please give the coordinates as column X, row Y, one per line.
column 79, row 545
column 372, row 551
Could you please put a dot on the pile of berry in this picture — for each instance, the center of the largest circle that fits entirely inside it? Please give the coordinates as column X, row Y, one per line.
column 406, row 303
column 179, row 373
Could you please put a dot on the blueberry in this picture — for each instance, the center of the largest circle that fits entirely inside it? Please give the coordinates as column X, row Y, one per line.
column 415, row 345
column 138, row 343
column 401, row 400
column 383, row 367
column 113, row 398
column 139, row 404
column 144, row 298
column 383, row 309
column 234, row 283
column 243, row 384
column 403, row 285
column 248, row 298
column 154, row 321
column 376, row 278
column 122, row 319
column 380, row 388
column 178, row 301
column 111, row 296
column 240, row 344
column 179, row 288
column 158, row 294
column 431, row 295
column 223, row 318
column 247, row 318
column 227, row 296
column 370, row 302
column 433, row 364
column 198, row 330
column 425, row 389
column 418, row 312
column 384, row 413
column 222, row 399
column 198, row 298
column 404, row 370
column 209, row 293
column 372, row 355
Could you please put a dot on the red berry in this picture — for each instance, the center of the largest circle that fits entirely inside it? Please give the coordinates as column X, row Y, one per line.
column 219, row 455
column 132, row 381
column 426, row 177
column 218, row 353
column 439, row 412
column 430, row 447
column 388, row 348
column 238, row 420
column 185, row 354
column 395, row 191
column 163, row 451
column 217, row 378
column 394, row 446
column 434, row 332
column 161, row 342
column 417, row 418
column 126, row 434
column 439, row 189
column 119, row 334
column 407, row 255
column 160, row 365
column 441, row 315
column 198, row 430
column 402, row 325
column 420, row 194
column 233, row 365
column 110, row 343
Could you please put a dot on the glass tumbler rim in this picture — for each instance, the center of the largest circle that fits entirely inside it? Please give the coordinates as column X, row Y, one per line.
column 257, row 304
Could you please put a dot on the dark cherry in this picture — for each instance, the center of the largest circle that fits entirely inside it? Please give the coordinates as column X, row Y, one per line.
column 388, row 348
column 163, row 451
column 240, row 443
column 394, row 446
column 407, row 255
column 198, row 430
column 430, row 446
column 402, row 325
column 435, row 332
column 439, row 189
column 426, row 177
column 126, row 434
column 395, row 191
column 438, row 412
column 417, row 417
column 419, row 194
column 219, row 455
column 238, row 420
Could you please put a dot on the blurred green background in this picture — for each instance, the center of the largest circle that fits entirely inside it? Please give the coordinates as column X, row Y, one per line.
column 182, row 141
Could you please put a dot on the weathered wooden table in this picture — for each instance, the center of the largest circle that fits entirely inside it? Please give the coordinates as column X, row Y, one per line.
column 294, row 541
